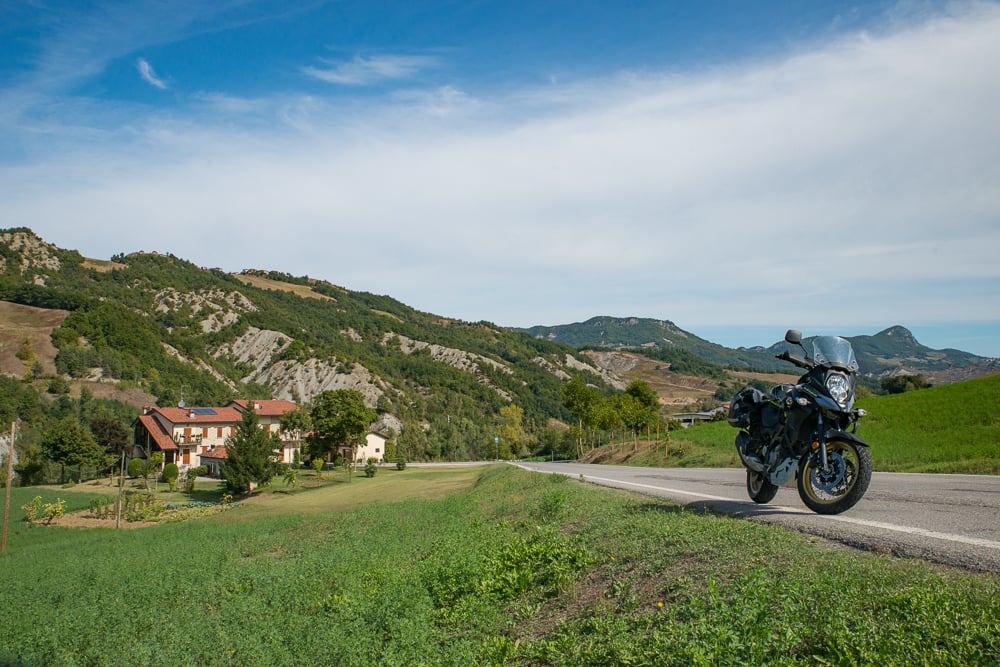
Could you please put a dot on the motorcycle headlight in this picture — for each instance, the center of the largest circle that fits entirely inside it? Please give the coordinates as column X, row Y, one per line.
column 839, row 387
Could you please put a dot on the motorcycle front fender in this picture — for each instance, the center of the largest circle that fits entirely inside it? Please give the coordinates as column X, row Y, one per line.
column 836, row 434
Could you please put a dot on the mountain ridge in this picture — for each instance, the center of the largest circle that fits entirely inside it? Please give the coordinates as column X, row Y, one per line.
column 893, row 350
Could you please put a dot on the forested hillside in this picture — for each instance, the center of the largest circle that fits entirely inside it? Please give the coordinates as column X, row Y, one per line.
column 179, row 331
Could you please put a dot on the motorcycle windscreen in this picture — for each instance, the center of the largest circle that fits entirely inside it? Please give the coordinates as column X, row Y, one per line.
column 834, row 351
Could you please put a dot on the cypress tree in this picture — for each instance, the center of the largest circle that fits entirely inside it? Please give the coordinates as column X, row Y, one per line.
column 249, row 455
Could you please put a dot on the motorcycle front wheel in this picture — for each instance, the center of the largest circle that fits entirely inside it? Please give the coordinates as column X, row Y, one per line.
column 760, row 488
column 842, row 485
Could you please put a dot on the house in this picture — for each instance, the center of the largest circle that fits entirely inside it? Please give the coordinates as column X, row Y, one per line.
column 183, row 434
column 374, row 448
column 197, row 436
column 213, row 460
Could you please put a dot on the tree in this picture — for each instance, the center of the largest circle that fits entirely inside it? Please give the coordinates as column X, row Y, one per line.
column 111, row 435
column 899, row 384
column 639, row 406
column 339, row 418
column 643, row 393
column 27, row 355
column 249, row 455
column 296, row 422
column 70, row 443
column 153, row 461
column 581, row 400
column 513, row 438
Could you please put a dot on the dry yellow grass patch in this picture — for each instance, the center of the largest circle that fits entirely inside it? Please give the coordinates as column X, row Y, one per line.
column 266, row 283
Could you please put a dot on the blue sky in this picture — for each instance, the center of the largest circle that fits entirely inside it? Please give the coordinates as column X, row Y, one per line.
column 736, row 167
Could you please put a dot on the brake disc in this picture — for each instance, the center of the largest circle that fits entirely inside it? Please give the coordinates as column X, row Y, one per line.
column 831, row 479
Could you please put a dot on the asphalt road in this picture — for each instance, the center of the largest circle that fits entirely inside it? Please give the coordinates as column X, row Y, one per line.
column 948, row 519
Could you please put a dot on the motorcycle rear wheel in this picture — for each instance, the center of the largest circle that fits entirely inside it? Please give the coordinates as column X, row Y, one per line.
column 842, row 486
column 760, row 488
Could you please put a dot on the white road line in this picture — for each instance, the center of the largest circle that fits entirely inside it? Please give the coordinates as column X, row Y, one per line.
column 961, row 539
column 657, row 488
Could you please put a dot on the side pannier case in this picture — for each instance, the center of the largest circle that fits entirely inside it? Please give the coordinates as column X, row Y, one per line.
column 743, row 403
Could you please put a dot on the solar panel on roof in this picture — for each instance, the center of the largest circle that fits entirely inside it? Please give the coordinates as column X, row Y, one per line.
column 204, row 411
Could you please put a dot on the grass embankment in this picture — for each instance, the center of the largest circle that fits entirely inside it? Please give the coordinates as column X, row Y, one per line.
column 948, row 429
column 509, row 568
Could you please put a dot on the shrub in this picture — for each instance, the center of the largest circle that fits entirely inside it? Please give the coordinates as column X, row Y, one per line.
column 370, row 468
column 138, row 468
column 170, row 474
column 899, row 384
column 192, row 476
column 104, row 507
column 400, row 464
column 32, row 509
column 53, row 510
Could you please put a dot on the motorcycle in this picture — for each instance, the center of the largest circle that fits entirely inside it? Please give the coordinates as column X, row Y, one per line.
column 806, row 429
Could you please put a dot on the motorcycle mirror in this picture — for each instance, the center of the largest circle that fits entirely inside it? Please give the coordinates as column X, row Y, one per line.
column 793, row 336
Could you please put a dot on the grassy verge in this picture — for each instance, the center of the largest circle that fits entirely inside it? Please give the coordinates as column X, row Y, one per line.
column 508, row 567
column 953, row 428
column 948, row 429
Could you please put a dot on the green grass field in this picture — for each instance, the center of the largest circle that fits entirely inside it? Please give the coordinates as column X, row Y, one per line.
column 488, row 566
column 953, row 428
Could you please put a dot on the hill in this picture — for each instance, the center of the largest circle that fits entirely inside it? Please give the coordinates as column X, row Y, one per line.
column 177, row 331
column 889, row 352
column 35, row 325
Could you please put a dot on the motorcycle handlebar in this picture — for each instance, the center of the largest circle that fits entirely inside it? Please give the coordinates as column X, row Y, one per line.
column 787, row 355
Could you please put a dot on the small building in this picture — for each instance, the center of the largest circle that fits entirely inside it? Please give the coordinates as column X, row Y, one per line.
column 374, row 448
column 688, row 418
column 214, row 459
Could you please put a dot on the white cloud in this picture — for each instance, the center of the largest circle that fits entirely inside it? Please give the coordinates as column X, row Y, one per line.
column 364, row 71
column 853, row 182
column 148, row 74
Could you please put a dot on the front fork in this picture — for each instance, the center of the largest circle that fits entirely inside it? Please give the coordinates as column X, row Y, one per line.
column 820, row 443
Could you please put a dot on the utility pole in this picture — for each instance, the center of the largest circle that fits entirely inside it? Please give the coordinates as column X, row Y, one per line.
column 121, row 490
column 10, row 479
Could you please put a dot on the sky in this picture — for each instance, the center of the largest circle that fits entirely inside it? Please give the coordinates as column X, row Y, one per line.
column 737, row 167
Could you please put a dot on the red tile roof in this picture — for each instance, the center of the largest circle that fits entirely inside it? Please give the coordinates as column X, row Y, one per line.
column 160, row 437
column 266, row 408
column 191, row 416
column 216, row 453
